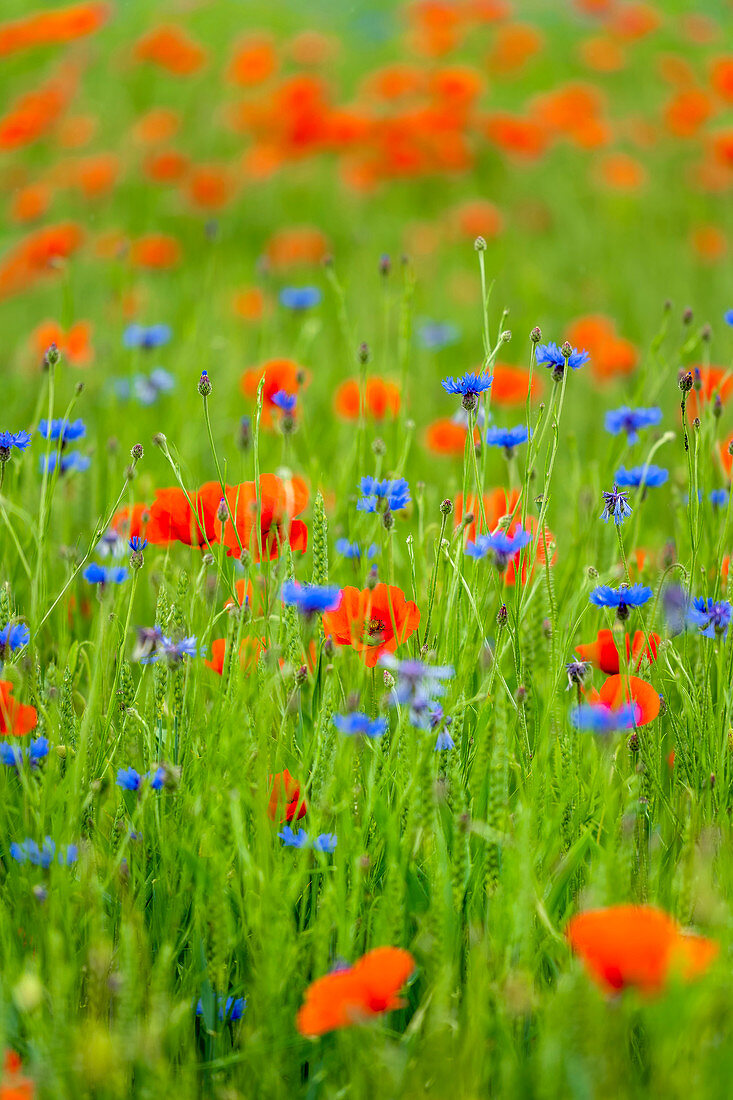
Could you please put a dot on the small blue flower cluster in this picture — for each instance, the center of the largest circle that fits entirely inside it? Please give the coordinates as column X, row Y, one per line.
column 392, row 495
column 29, row 852
column 502, row 545
column 631, row 421
column 354, row 551
column 131, row 780
column 359, row 725
column 232, row 1009
column 312, row 598
column 12, row 755
column 13, row 636
column 324, row 842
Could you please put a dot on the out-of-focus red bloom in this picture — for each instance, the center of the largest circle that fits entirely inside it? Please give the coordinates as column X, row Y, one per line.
column 514, row 45
column 30, row 203
column 687, row 112
column 621, row 172
column 286, row 802
column 157, row 125
column 75, row 343
column 172, row 49
column 394, row 82
column 709, row 243
column 725, row 455
column 313, row 48
column 172, row 519
column 575, row 112
column 545, row 548
column 166, row 166
column 372, row 621
column 254, row 60
column 52, row 28
column 37, row 255
column 637, row 946
column 249, row 654
column 604, row 654
column 355, row 994
column 712, row 381
column 76, row 131
column 209, row 187
column 296, row 246
column 155, row 251
column 280, row 502
column 631, row 22
column 446, row 437
column 279, row 374
column 497, row 503
column 721, row 77
column 381, row 399
column 602, row 53
column 478, row 218
column 610, row 354
column 620, row 690
column 523, row 138
column 249, row 304
column 510, row 385
column 130, row 523
column 14, row 1085
column 33, row 114
column 16, row 719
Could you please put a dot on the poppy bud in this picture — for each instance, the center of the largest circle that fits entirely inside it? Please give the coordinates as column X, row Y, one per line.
column 222, row 511
column 591, row 572
column 696, row 423
column 717, row 407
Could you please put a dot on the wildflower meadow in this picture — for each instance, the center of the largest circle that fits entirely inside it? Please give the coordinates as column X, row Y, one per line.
column 366, row 663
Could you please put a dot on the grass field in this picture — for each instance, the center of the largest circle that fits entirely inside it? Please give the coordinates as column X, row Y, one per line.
column 366, row 704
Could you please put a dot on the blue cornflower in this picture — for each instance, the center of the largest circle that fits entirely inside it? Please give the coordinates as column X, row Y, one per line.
column 11, row 755
column 300, row 297
column 129, row 779
column 146, row 336
column 325, row 842
column 418, row 686
column 508, row 438
column 354, row 550
column 8, row 440
column 676, row 607
column 285, row 401
column 13, row 636
column 434, row 335
column 70, row 460
column 312, row 598
column 360, row 725
column 395, row 494
column 137, row 544
column 156, row 778
column 601, row 719
column 615, row 506
column 147, row 390
column 468, row 386
column 231, row 1009
column 102, row 574
column 632, row 421
column 66, row 430
column 173, row 652
column 712, row 617
column 648, row 476
column 728, row 316
column 38, row 749
column 43, row 857
column 111, row 545
column 550, row 355
column 719, row 498
column 622, row 598
column 293, row 840
column 444, row 742
column 503, row 546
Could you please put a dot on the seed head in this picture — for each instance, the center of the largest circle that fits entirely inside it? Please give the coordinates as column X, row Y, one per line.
column 137, row 452
column 204, row 384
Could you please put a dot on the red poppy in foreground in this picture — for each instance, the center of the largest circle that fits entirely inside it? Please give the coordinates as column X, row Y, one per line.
column 173, row 520
column 373, row 621
column 604, row 654
column 617, row 691
column 249, row 654
column 285, row 803
column 637, row 946
column 16, row 718
column 356, row 993
column 280, row 501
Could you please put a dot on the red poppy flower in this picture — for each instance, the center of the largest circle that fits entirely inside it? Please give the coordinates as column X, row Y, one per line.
column 279, row 374
column 445, row 437
column 130, row 523
column 172, row 520
column 545, row 545
column 604, row 654
column 713, row 381
column 381, row 399
column 172, row 49
column 285, row 803
column 373, row 621
column 349, row 996
column 619, row 690
column 280, row 502
column 16, row 719
column 249, row 654
column 497, row 503
column 637, row 946
column 155, row 251
column 75, row 343
column 510, row 385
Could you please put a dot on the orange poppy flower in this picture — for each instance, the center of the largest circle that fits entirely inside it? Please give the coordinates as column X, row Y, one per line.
column 477, row 219
column 713, row 381
column 394, row 82
column 32, row 115
column 381, row 399
column 545, row 545
column 30, row 203
column 280, row 502
column 313, row 48
column 172, row 49
column 209, row 186
column 285, row 799
column 279, row 374
column 709, row 242
column 156, row 125
column 721, row 77
column 14, row 1085
column 602, row 54
column 497, row 503
column 573, row 111
column 249, row 654
column 51, row 28
column 725, row 455
column 510, row 385
column 295, row 246
column 610, row 354
column 621, row 172
column 619, row 690
column 349, row 996
column 166, row 166
column 637, row 946
column 75, row 344
column 76, row 131
column 132, row 522
column 95, row 176
column 604, row 654
column 172, row 520
column 514, row 45
column 155, row 251
column 249, row 304
column 373, row 621
column 35, row 256
column 687, row 112
column 633, row 21
column 520, row 137
column 253, row 62
column 16, row 719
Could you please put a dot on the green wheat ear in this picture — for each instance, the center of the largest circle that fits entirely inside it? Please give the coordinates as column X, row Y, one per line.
column 320, row 541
